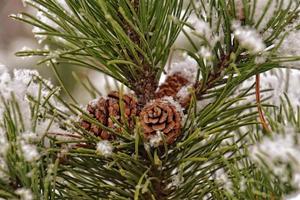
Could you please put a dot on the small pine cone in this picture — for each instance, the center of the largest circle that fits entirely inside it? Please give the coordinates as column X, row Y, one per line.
column 161, row 116
column 171, row 86
column 104, row 108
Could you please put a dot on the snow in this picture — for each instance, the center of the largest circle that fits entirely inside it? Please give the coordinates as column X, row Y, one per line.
column 280, row 147
column 174, row 103
column 30, row 152
column 248, row 37
column 184, row 92
column 156, row 140
column 204, row 30
column 281, row 81
column 293, row 197
column 205, row 53
column 104, row 148
column 177, row 180
column 2, row 68
column 260, row 9
column 290, row 47
column 185, row 66
column 24, row 193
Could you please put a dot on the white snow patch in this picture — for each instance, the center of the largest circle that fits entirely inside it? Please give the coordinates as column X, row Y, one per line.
column 24, row 193
column 104, row 148
column 248, row 37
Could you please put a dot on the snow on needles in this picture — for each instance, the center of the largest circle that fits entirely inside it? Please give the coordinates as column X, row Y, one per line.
column 266, row 9
column 186, row 66
column 17, row 88
column 290, row 48
column 248, row 38
column 280, row 81
column 104, row 148
column 293, row 197
column 281, row 147
column 24, row 193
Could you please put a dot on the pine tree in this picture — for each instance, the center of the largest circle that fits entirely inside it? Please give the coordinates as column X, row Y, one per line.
column 198, row 127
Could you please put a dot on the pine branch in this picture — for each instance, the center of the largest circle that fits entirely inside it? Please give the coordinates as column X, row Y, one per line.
column 129, row 41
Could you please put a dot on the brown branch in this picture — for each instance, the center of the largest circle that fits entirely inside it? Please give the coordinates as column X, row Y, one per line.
column 258, row 102
column 213, row 78
column 146, row 84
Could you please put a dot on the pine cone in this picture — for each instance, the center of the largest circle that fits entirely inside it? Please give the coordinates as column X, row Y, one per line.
column 161, row 116
column 172, row 86
column 108, row 107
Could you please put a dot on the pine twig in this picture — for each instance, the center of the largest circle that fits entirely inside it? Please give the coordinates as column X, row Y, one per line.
column 213, row 77
column 146, row 85
column 258, row 102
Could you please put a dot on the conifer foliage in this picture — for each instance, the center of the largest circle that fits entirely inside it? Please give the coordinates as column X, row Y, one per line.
column 185, row 123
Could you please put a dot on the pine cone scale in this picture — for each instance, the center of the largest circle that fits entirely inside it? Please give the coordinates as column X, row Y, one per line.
column 107, row 108
column 161, row 117
column 170, row 126
column 159, row 127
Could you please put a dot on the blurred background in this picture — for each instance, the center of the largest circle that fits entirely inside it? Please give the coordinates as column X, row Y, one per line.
column 14, row 36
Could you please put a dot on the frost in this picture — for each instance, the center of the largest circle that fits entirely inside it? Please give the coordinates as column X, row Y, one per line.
column 104, row 148
column 248, row 37
column 24, row 193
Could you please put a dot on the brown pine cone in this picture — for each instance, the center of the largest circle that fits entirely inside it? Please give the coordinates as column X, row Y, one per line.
column 161, row 116
column 171, row 86
column 104, row 108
